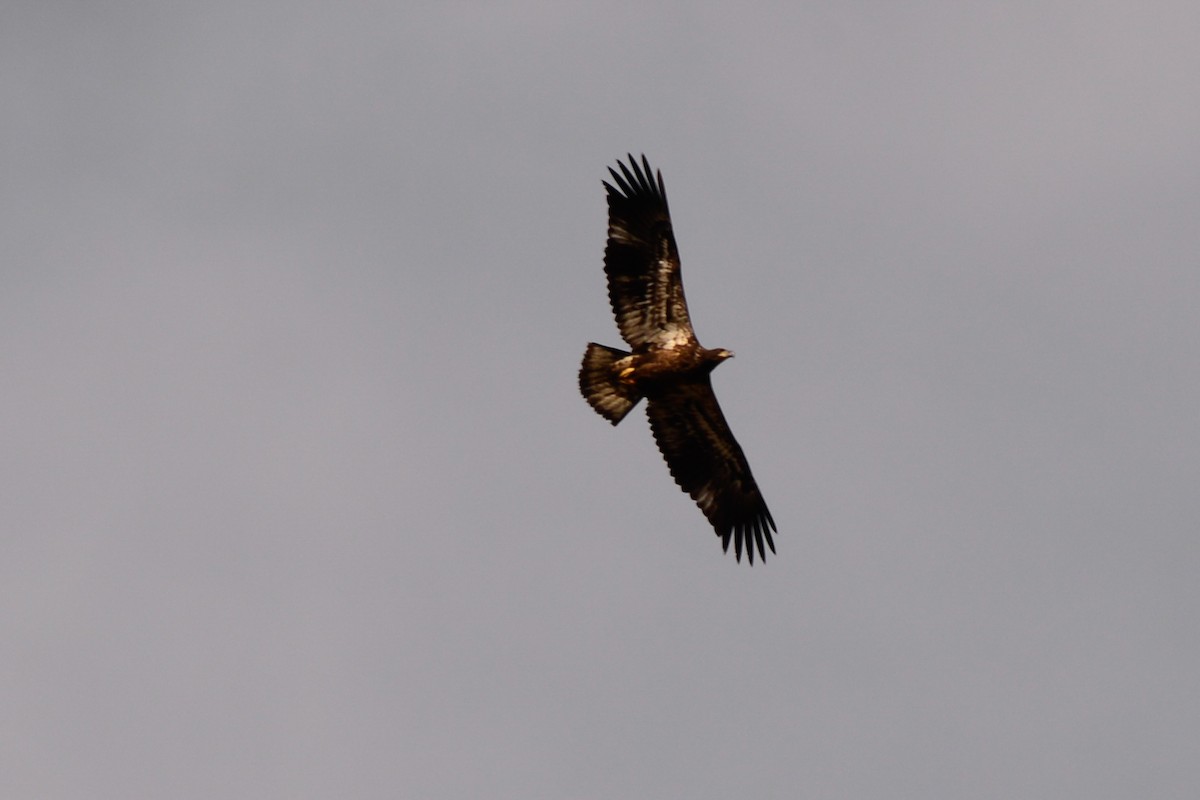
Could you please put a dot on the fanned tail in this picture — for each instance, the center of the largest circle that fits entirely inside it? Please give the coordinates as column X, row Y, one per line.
column 601, row 386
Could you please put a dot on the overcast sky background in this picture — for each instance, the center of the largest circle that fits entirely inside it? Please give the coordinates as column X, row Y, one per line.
column 300, row 499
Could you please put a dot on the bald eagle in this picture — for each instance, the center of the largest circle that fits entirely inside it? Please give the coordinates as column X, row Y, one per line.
column 667, row 366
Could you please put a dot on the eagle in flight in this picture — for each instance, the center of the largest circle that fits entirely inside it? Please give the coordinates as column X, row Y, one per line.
column 668, row 366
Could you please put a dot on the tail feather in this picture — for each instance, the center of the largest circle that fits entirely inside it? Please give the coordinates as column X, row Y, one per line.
column 600, row 385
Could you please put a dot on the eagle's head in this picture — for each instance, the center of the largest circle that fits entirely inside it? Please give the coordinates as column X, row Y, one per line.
column 716, row 356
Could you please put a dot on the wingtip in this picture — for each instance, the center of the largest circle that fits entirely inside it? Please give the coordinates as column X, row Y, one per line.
column 636, row 177
column 754, row 535
column 624, row 187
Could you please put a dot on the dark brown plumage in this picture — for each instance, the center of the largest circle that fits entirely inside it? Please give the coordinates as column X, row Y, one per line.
column 667, row 366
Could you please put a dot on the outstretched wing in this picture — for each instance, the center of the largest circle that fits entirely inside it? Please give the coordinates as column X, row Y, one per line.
column 642, row 262
column 708, row 464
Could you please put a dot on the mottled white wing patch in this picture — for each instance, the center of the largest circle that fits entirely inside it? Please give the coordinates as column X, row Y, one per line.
column 672, row 336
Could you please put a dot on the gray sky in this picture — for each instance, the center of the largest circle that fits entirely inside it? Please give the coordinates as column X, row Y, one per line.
column 300, row 499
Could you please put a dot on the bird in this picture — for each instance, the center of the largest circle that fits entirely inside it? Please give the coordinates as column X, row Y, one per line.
column 667, row 366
